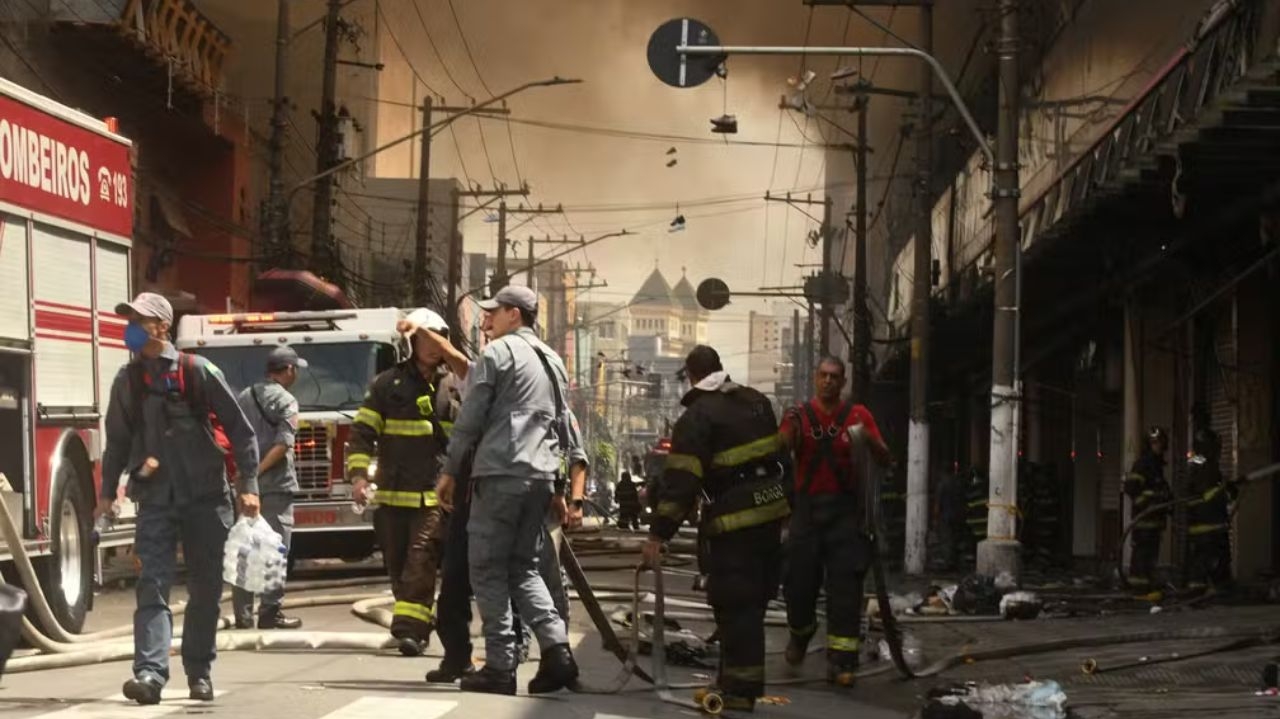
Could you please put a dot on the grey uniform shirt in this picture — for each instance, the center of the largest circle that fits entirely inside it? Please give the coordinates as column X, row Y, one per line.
column 509, row 410
column 273, row 413
column 192, row 465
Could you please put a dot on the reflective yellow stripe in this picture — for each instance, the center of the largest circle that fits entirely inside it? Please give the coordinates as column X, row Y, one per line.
column 843, row 644
column 366, row 416
column 413, row 611
column 748, row 452
column 424, row 405
column 412, row 500
column 671, row 510
column 685, row 463
column 447, row 427
column 357, row 461
column 745, row 674
column 977, row 503
column 408, row 428
column 745, row 518
column 1210, row 494
column 1198, row 529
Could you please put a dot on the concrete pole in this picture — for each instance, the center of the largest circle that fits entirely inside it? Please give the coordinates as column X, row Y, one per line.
column 423, row 235
column 323, row 254
column 861, row 359
column 1000, row 551
column 275, row 218
column 917, row 530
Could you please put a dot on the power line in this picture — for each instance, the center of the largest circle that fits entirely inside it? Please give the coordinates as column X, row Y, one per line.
column 467, row 46
column 436, row 50
column 412, row 68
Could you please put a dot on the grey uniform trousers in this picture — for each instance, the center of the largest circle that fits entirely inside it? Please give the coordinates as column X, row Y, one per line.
column 507, row 532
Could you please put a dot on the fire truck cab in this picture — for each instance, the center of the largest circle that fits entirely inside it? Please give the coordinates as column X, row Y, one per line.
column 345, row 350
column 66, row 219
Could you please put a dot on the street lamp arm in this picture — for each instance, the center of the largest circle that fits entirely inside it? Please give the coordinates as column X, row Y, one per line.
column 545, row 260
column 938, row 70
column 425, row 130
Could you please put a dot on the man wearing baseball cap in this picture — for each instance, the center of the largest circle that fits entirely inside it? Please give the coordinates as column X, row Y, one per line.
column 162, row 409
column 273, row 412
column 516, row 420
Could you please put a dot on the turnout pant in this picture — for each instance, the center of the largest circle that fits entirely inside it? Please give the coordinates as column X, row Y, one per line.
column 1143, row 557
column 743, row 571
column 1211, row 559
column 508, row 536
column 202, row 528
column 411, row 540
column 826, row 544
column 277, row 509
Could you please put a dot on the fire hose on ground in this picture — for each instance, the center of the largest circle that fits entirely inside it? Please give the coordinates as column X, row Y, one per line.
column 1267, row 473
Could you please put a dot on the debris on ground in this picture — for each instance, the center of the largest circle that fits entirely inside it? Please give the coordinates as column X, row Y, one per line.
column 977, row 594
column 1020, row 605
column 912, row 651
column 1029, row 700
column 683, row 647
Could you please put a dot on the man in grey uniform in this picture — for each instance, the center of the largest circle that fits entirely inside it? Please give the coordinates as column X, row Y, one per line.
column 273, row 413
column 161, row 408
column 516, row 419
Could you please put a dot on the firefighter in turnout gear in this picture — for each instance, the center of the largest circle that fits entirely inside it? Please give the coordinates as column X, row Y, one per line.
column 1146, row 486
column 398, row 429
column 828, row 541
column 1208, row 513
column 725, row 450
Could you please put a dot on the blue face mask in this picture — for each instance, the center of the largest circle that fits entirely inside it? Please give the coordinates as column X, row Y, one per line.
column 136, row 337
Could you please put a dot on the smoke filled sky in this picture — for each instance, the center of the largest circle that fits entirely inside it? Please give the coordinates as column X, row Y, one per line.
column 607, row 183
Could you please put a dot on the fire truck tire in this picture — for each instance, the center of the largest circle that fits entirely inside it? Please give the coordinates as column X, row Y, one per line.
column 66, row 576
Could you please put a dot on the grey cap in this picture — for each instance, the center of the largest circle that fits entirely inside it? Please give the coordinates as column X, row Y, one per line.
column 147, row 304
column 513, row 296
column 282, row 358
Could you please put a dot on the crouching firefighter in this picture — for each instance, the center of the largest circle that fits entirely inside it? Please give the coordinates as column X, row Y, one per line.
column 827, row 540
column 398, row 424
column 1146, row 486
column 725, row 449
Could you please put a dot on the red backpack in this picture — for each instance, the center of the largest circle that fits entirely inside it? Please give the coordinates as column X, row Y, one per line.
column 192, row 392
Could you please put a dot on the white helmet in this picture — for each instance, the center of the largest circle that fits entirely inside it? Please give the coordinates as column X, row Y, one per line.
column 424, row 319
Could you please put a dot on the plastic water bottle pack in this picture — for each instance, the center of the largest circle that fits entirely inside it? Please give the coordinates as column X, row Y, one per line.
column 254, row 556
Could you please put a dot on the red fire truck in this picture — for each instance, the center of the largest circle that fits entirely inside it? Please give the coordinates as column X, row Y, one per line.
column 66, row 218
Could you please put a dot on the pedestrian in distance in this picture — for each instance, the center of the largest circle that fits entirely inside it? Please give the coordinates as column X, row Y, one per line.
column 174, row 413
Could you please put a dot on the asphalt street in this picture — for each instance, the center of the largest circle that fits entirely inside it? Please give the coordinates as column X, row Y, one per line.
column 317, row 684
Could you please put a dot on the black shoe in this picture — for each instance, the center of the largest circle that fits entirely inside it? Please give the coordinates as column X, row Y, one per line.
column 244, row 622
column 797, row 648
column 143, row 690
column 411, row 647
column 448, row 674
column 201, row 690
column 490, row 681
column 556, row 671
column 278, row 621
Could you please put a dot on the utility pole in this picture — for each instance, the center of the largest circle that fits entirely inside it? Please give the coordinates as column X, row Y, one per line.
column 274, row 219
column 322, row 250
column 454, row 273
column 861, row 391
column 421, row 263
column 999, row 552
column 500, row 277
column 798, row 390
column 828, row 287
column 917, row 529
column 423, row 234
column 455, row 242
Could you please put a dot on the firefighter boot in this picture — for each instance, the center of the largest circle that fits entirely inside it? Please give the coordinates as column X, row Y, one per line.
column 797, row 649
column 411, row 646
column 842, row 669
column 449, row 673
column 557, row 670
column 713, row 701
column 490, row 681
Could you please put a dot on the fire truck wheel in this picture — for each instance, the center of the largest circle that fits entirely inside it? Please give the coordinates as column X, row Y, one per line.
column 66, row 575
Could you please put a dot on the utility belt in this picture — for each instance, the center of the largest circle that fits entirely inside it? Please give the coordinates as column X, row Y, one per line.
column 405, row 499
column 755, row 496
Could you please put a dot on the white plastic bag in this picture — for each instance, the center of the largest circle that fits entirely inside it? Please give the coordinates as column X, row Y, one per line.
column 254, row 556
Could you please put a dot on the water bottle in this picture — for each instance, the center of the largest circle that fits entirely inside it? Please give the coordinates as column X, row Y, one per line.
column 360, row 507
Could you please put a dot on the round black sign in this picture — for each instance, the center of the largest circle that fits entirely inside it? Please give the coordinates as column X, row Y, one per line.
column 679, row 70
column 713, row 293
